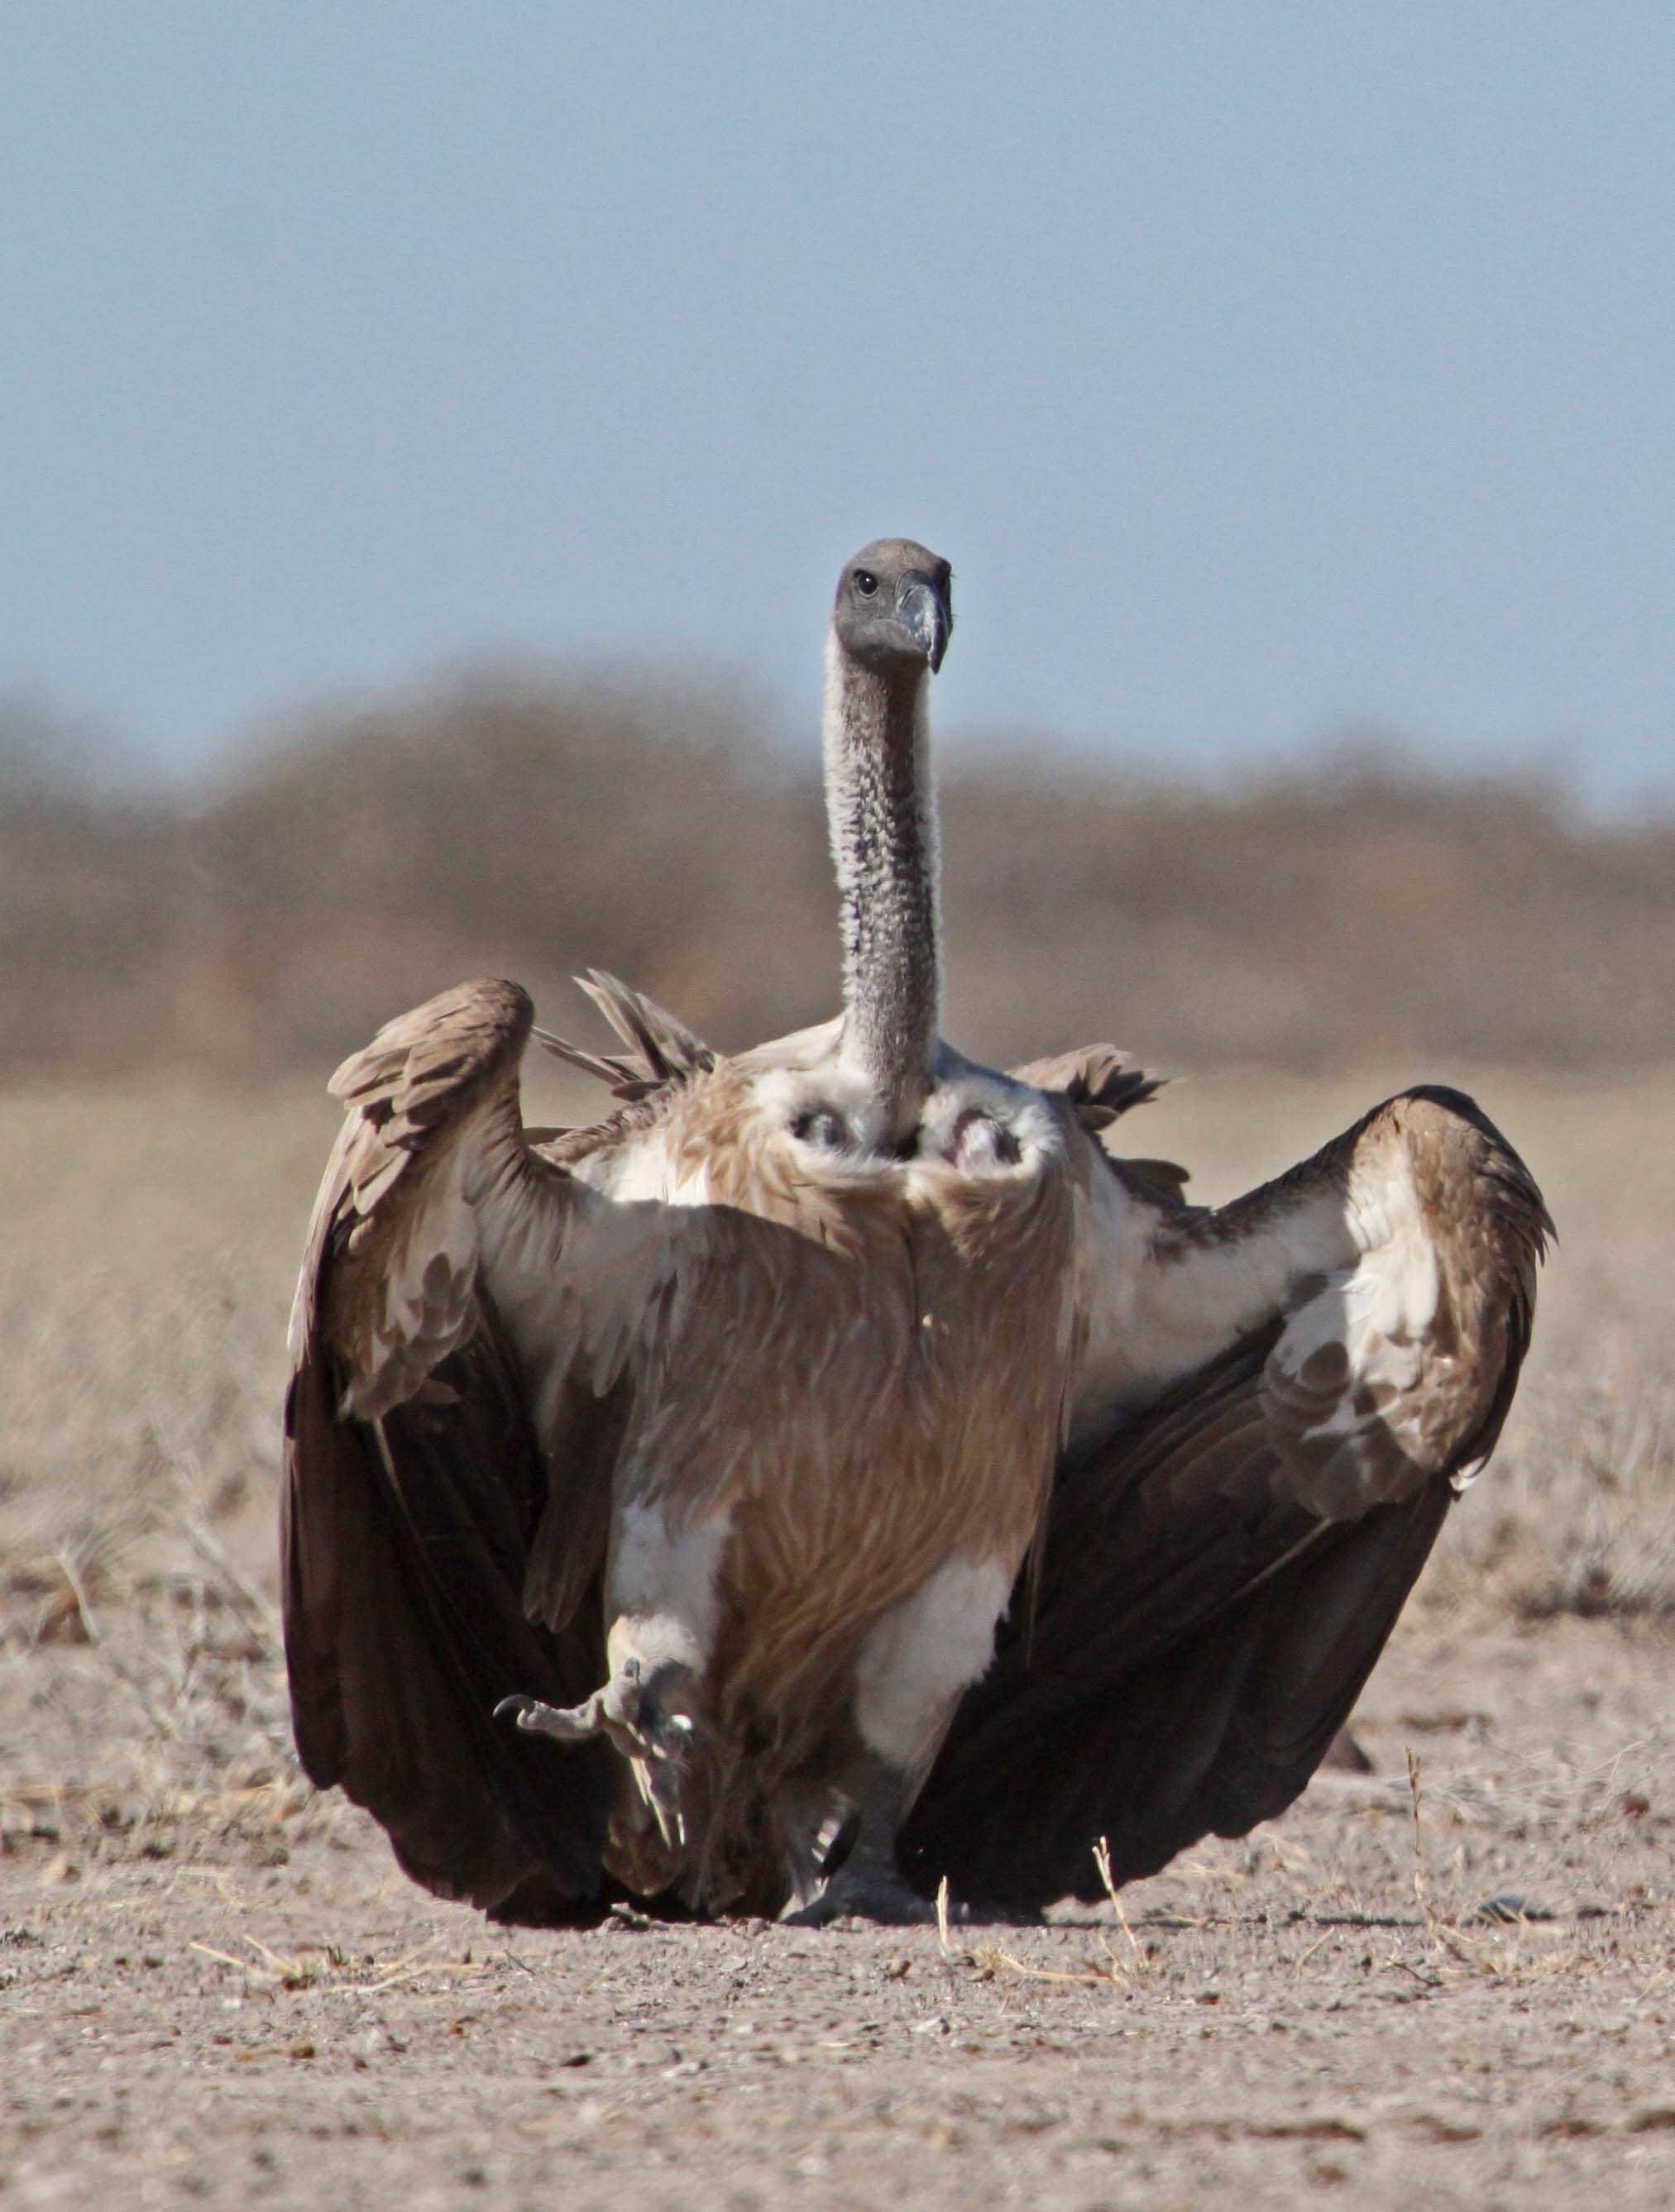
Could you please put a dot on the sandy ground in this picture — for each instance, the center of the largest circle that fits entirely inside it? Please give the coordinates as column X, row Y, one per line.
column 238, row 1997
column 215, row 1988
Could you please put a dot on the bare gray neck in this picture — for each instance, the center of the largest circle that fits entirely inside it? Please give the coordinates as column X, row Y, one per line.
column 878, row 807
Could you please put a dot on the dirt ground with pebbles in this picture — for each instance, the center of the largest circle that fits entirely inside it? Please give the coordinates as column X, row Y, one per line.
column 239, row 1999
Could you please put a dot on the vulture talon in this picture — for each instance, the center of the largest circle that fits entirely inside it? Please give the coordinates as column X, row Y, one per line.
column 627, row 1711
column 568, row 1723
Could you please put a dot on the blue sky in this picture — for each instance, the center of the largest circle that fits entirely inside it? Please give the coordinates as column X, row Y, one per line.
column 1260, row 368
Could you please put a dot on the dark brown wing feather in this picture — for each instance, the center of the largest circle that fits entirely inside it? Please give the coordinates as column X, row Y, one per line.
column 404, row 1559
column 662, row 1052
column 1101, row 1081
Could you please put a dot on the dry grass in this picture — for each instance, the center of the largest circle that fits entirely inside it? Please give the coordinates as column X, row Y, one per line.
column 143, row 1296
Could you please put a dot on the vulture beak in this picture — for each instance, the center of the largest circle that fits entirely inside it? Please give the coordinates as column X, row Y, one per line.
column 923, row 613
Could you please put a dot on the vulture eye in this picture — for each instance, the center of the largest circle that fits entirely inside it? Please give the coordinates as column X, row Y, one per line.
column 865, row 582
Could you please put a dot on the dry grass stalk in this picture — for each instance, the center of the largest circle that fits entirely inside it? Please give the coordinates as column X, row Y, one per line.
column 990, row 1958
column 326, row 1972
column 1473, row 1953
column 942, row 1935
column 1102, row 1860
column 162, row 1723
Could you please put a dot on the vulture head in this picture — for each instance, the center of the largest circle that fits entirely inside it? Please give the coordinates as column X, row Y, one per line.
column 894, row 610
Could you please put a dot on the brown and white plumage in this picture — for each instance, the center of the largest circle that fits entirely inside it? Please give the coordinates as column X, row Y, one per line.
column 1329, row 1362
column 715, row 1440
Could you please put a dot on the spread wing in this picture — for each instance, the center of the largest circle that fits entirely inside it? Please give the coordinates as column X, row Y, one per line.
column 1282, row 1404
column 460, row 1384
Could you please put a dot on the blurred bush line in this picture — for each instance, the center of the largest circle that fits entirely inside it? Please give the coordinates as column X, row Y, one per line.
column 1355, row 907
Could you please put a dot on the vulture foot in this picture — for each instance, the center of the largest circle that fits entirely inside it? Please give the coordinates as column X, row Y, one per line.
column 865, row 1893
column 866, row 1884
column 628, row 1710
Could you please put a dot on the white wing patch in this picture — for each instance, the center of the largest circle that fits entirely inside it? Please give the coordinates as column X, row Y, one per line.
column 643, row 1174
column 1348, row 1382
column 1378, row 1370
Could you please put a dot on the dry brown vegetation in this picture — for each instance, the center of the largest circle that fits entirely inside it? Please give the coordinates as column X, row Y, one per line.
column 1355, row 908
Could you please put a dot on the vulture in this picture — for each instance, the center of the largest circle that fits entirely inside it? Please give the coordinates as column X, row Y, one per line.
column 835, row 1472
